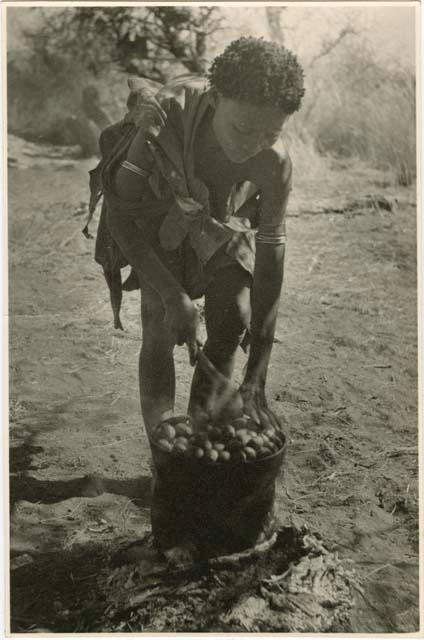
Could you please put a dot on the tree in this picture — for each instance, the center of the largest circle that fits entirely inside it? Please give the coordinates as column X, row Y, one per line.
column 273, row 16
column 146, row 41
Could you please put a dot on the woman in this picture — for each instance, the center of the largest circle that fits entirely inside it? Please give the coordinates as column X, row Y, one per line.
column 195, row 203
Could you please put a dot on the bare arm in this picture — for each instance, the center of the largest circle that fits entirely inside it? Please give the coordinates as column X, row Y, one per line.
column 267, row 284
column 138, row 251
column 128, row 188
column 129, row 185
column 147, row 115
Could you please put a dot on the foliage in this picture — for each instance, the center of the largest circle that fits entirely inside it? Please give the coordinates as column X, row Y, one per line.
column 73, row 48
column 355, row 105
column 139, row 40
column 360, row 108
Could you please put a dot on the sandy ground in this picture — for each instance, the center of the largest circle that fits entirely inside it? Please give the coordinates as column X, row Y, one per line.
column 343, row 373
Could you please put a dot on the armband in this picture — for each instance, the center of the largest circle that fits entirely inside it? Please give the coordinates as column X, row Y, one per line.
column 133, row 167
column 270, row 238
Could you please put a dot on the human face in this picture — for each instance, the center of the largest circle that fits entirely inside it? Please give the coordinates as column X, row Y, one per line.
column 243, row 129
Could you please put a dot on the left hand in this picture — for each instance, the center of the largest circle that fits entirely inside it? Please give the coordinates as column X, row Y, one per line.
column 256, row 406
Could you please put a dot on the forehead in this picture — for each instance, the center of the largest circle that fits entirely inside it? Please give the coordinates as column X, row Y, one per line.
column 253, row 116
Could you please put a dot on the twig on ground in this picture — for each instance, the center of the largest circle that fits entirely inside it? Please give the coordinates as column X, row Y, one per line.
column 67, row 240
column 110, row 444
column 362, row 593
column 139, row 598
column 393, row 453
column 235, row 558
column 82, row 578
column 297, row 604
column 331, row 476
column 304, row 497
column 64, row 517
column 406, row 500
column 279, row 578
column 125, row 509
column 393, row 563
column 371, row 573
column 313, row 543
column 290, row 497
column 377, row 366
column 387, row 453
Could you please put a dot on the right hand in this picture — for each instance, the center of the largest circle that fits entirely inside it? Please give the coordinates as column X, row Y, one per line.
column 223, row 397
column 183, row 322
column 147, row 111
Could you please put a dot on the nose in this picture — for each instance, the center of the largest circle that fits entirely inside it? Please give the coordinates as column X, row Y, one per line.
column 257, row 144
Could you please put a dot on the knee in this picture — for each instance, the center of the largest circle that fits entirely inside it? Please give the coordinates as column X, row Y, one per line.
column 244, row 309
column 230, row 326
column 154, row 332
column 152, row 313
column 236, row 320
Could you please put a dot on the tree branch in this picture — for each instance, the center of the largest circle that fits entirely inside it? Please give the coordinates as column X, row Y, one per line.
column 328, row 46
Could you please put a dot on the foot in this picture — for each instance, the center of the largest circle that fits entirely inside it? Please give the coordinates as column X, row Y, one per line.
column 117, row 323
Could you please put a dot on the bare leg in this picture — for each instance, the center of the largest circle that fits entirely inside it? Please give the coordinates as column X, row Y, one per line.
column 227, row 316
column 113, row 279
column 156, row 364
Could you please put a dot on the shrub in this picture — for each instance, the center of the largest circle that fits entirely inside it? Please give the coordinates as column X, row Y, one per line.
column 366, row 109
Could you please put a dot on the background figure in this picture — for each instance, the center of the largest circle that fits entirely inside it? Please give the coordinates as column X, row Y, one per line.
column 85, row 127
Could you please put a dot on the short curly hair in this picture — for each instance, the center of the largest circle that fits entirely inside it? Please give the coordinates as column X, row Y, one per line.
column 259, row 72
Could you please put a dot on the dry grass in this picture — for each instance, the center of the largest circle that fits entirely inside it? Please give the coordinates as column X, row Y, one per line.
column 359, row 108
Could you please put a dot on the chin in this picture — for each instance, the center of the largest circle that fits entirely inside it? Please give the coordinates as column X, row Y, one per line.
column 237, row 157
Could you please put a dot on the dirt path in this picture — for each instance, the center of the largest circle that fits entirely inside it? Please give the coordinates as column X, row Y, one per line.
column 343, row 373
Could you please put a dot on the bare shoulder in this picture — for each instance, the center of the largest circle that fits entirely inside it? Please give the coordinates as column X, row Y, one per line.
column 272, row 168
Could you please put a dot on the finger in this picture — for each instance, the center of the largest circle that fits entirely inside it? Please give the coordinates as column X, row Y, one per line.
column 193, row 351
column 206, row 365
column 264, row 418
column 179, row 338
column 198, row 336
column 162, row 113
column 210, row 402
column 147, row 114
column 155, row 108
column 272, row 418
column 155, row 117
column 159, row 114
column 252, row 412
column 281, row 422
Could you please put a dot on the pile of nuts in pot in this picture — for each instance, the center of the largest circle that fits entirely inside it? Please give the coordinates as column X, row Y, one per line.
column 241, row 441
